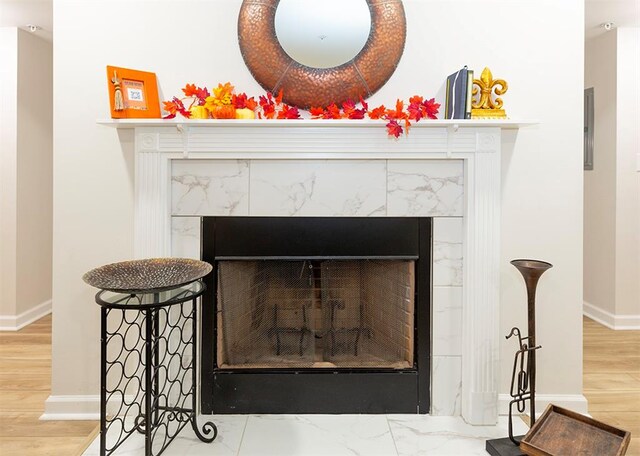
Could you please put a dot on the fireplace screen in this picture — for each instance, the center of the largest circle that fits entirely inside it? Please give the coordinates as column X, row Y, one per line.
column 315, row 314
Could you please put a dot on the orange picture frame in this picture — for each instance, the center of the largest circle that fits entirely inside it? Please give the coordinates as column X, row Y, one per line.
column 133, row 94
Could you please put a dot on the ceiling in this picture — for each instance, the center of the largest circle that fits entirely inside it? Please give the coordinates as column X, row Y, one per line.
column 19, row 13
column 623, row 13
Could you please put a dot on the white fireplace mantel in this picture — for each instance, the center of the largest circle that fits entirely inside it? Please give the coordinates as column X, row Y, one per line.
column 476, row 142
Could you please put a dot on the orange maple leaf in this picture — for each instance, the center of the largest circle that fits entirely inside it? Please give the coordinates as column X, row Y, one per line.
column 279, row 97
column 170, row 107
column 333, row 112
column 316, row 113
column 189, row 90
column 251, row 103
column 377, row 113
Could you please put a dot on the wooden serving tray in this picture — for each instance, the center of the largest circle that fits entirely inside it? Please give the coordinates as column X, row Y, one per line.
column 562, row 432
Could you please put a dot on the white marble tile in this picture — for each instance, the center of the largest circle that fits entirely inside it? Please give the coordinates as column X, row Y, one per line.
column 447, row 321
column 317, row 435
column 318, row 187
column 446, row 385
column 447, row 251
column 185, row 237
column 425, row 188
column 209, row 187
column 329, row 435
column 417, row 435
column 227, row 443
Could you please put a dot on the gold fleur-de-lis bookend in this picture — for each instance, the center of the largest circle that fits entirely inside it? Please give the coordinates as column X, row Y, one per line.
column 484, row 105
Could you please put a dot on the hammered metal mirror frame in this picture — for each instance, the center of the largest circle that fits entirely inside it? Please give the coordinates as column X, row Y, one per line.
column 304, row 86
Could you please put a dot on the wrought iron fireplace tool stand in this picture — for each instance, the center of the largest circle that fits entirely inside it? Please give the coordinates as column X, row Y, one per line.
column 149, row 339
column 523, row 377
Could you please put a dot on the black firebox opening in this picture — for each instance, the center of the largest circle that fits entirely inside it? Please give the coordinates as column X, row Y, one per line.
column 316, row 315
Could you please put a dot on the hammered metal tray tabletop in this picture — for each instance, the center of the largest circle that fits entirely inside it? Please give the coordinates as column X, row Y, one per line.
column 562, row 432
column 147, row 276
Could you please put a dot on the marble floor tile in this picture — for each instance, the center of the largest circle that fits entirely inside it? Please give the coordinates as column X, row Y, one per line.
column 331, row 435
column 445, row 435
column 230, row 431
column 317, row 435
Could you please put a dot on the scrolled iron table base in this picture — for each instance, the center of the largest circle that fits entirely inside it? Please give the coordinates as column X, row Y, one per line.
column 149, row 368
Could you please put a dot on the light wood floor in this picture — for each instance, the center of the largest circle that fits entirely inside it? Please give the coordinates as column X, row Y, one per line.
column 611, row 384
column 25, row 383
column 612, row 378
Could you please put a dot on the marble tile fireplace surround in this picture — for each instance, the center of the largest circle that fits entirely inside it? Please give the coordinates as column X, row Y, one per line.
column 448, row 170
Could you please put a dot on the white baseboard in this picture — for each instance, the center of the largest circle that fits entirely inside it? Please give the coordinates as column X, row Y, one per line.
column 576, row 402
column 611, row 321
column 17, row 322
column 72, row 408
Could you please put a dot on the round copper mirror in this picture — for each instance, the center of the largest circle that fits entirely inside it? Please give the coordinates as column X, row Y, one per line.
column 305, row 86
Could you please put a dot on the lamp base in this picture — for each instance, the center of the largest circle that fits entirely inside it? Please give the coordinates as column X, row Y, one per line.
column 504, row 447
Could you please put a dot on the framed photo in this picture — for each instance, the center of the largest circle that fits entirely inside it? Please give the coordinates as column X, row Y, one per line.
column 133, row 94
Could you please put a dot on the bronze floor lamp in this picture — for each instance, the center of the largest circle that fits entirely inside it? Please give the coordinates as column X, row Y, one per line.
column 523, row 377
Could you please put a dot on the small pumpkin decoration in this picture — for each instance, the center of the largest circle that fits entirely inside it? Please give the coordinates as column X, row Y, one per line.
column 199, row 112
column 224, row 112
column 245, row 113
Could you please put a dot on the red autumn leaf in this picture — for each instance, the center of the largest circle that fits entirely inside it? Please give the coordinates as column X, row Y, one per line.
column 316, row 113
column 176, row 106
column 365, row 106
column 288, row 112
column 416, row 111
column 350, row 111
column 269, row 111
column 267, row 105
column 201, row 94
column 357, row 114
column 378, row 112
column 169, row 116
column 239, row 101
column 180, row 107
column 431, row 108
column 348, row 106
column 394, row 128
column 189, row 90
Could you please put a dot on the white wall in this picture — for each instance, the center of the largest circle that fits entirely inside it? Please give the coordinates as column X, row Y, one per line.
column 542, row 178
column 35, row 171
column 612, row 188
column 628, row 175
column 8, row 171
column 26, row 163
column 599, row 195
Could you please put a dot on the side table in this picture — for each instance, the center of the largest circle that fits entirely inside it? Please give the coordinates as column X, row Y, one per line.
column 149, row 351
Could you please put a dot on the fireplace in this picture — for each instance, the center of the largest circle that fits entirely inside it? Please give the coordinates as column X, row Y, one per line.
column 445, row 169
column 316, row 315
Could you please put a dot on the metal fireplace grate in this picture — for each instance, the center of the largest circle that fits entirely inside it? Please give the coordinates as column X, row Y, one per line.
column 316, row 314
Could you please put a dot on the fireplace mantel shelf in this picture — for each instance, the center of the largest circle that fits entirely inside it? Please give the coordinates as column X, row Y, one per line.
column 320, row 123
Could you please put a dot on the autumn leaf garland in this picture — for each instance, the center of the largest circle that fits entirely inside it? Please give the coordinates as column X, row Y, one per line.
column 269, row 106
column 418, row 108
